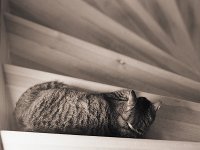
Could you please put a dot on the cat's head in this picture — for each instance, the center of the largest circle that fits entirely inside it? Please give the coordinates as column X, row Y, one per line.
column 132, row 116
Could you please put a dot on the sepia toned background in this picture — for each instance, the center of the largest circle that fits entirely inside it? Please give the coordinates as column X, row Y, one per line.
column 152, row 46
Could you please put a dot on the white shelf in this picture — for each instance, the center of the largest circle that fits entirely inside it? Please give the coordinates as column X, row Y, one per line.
column 13, row 140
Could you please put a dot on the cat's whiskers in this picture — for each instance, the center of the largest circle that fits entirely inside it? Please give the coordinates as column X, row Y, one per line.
column 133, row 129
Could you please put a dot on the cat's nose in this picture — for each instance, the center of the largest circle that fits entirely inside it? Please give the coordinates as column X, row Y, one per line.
column 157, row 105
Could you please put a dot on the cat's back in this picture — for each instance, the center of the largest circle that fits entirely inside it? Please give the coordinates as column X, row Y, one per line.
column 56, row 107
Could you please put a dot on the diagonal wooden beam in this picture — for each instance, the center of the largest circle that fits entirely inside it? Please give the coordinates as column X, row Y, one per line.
column 190, row 11
column 109, row 67
column 93, row 26
column 168, row 16
column 133, row 15
column 51, row 38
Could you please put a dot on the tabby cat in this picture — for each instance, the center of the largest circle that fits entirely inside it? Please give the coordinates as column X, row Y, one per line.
column 55, row 107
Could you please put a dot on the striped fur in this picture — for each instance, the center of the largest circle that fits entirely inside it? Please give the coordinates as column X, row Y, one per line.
column 55, row 107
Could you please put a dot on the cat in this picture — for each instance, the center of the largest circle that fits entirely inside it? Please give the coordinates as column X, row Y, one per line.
column 54, row 107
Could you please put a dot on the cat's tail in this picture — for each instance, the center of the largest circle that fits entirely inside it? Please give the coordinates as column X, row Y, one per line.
column 30, row 95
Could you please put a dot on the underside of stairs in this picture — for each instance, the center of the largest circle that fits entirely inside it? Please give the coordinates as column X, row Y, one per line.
column 149, row 46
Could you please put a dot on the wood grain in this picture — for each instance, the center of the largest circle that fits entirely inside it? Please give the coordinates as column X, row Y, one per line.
column 177, row 119
column 190, row 13
column 43, row 35
column 167, row 14
column 129, row 75
column 133, row 15
column 170, row 42
column 69, row 56
column 79, row 66
column 42, row 141
column 103, row 31
column 21, row 61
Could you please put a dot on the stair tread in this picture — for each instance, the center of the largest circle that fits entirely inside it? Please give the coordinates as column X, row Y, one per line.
column 133, row 74
column 49, row 37
column 183, row 124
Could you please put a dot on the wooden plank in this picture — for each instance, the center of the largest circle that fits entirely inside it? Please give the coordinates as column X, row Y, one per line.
column 21, row 61
column 50, row 38
column 133, row 15
column 133, row 74
column 196, row 33
column 168, row 16
column 77, row 56
column 190, row 13
column 79, row 15
column 42, row 141
column 177, row 119
column 79, row 66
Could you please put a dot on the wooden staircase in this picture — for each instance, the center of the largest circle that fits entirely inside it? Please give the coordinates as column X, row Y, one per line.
column 150, row 46
column 64, row 54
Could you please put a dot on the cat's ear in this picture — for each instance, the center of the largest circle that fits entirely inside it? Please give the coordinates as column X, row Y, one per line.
column 121, row 95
